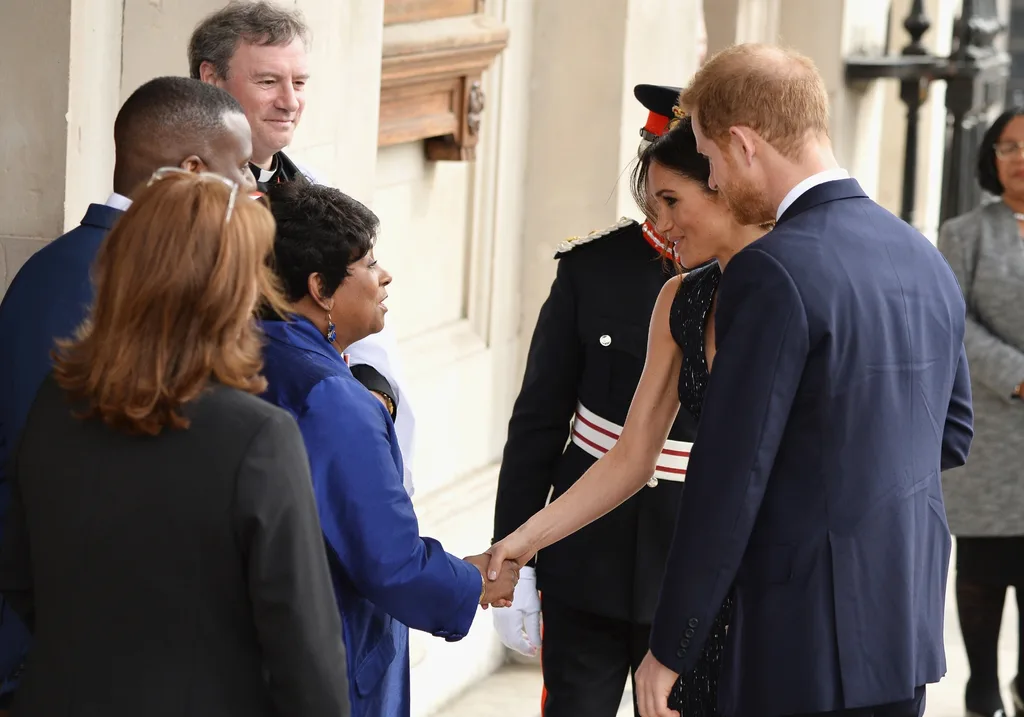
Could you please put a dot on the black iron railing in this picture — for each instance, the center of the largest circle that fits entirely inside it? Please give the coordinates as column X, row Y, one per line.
column 975, row 74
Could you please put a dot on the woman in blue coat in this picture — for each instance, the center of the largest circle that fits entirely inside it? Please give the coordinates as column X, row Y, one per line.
column 386, row 577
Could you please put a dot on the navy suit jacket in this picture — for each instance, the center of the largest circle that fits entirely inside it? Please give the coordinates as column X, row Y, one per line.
column 48, row 299
column 386, row 577
column 839, row 392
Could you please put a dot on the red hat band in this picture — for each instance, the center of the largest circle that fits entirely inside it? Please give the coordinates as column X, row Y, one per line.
column 656, row 124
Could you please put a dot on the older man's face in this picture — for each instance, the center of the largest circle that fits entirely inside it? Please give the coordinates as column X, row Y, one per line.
column 270, row 83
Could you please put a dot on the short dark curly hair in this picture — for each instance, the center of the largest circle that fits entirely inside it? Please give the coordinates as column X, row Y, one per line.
column 988, row 173
column 321, row 231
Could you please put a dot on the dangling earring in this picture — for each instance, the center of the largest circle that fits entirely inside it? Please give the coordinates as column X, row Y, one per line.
column 331, row 333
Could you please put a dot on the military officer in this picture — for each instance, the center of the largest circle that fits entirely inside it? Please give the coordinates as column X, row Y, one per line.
column 600, row 586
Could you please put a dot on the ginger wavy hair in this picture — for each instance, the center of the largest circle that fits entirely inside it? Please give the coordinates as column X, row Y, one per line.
column 775, row 91
column 176, row 288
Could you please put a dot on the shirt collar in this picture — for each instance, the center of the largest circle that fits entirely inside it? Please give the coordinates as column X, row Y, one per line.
column 118, row 201
column 265, row 175
column 829, row 175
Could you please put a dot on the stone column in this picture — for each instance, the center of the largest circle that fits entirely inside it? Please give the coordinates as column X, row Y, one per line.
column 584, row 120
column 338, row 135
column 93, row 101
column 55, row 157
column 575, row 121
column 734, row 21
column 661, row 48
column 156, row 38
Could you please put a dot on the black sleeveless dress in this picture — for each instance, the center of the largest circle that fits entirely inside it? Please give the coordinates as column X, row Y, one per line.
column 696, row 693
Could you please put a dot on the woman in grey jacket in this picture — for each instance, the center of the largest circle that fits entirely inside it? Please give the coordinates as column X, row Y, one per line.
column 985, row 498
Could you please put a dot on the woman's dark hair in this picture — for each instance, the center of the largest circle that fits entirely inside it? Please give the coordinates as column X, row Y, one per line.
column 677, row 151
column 988, row 174
column 319, row 231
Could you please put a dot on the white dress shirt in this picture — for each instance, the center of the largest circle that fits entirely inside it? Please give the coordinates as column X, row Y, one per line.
column 829, row 175
column 118, row 201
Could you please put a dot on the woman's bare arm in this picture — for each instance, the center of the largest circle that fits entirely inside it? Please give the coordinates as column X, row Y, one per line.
column 630, row 463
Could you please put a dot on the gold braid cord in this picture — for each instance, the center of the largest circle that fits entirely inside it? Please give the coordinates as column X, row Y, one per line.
column 678, row 114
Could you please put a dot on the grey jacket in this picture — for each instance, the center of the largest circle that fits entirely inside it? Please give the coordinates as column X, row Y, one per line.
column 986, row 497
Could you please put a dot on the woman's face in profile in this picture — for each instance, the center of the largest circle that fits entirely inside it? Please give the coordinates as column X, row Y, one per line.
column 359, row 300
column 1010, row 166
column 689, row 216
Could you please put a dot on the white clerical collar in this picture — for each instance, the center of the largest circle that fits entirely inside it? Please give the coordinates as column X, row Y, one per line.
column 118, row 201
column 265, row 175
column 829, row 175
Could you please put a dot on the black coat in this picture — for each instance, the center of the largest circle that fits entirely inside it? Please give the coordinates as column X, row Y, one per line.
column 605, row 288
column 178, row 575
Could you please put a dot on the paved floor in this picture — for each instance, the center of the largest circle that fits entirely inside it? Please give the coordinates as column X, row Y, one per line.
column 514, row 690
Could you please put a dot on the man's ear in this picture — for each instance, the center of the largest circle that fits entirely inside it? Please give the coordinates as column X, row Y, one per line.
column 208, row 74
column 193, row 163
column 743, row 139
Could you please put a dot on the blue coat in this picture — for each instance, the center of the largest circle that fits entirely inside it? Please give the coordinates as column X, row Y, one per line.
column 48, row 299
column 386, row 577
column 839, row 393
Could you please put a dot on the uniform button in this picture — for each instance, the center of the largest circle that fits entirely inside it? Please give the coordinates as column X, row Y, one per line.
column 692, row 622
column 680, row 653
column 652, row 483
column 605, row 340
column 689, row 632
column 685, row 643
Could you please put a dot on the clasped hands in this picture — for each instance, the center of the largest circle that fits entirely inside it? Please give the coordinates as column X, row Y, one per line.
column 497, row 591
column 499, row 567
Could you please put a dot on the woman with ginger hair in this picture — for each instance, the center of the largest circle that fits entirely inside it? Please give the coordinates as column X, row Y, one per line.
column 163, row 542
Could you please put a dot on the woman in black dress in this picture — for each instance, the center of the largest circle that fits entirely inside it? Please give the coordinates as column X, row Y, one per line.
column 671, row 184
column 663, row 180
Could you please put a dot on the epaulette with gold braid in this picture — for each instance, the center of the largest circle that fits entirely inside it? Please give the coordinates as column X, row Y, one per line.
column 574, row 242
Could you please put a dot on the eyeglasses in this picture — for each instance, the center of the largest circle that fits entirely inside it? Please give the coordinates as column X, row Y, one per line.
column 165, row 172
column 1005, row 150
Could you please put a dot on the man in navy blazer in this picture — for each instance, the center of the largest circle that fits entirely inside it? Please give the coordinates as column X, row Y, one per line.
column 839, row 392
column 169, row 121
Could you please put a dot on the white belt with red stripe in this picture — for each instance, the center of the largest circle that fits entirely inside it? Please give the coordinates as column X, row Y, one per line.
column 597, row 435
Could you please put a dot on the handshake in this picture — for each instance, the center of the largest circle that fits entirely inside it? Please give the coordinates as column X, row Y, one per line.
column 496, row 592
column 515, row 588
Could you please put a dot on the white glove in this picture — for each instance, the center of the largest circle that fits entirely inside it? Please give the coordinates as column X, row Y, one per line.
column 519, row 626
